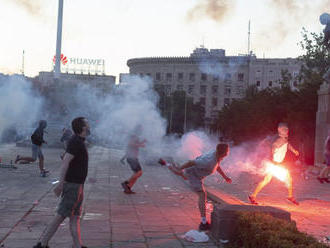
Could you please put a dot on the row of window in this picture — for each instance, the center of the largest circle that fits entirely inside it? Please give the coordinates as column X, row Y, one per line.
column 270, row 83
column 191, row 89
column 214, row 101
column 271, row 73
column 169, row 77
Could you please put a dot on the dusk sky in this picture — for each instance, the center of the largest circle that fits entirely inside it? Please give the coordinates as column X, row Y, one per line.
column 117, row 30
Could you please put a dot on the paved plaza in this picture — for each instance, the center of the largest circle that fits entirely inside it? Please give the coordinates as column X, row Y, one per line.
column 161, row 211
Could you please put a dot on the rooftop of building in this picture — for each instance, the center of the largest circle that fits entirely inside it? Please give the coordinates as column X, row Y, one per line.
column 202, row 54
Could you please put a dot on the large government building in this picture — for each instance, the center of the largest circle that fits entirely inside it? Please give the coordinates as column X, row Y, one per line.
column 211, row 77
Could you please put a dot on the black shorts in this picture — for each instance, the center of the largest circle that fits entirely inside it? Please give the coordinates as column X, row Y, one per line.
column 134, row 164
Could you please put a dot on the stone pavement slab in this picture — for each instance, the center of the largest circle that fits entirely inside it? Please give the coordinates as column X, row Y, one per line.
column 161, row 211
column 312, row 213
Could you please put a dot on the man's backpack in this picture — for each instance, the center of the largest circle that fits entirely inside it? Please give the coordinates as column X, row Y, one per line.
column 36, row 138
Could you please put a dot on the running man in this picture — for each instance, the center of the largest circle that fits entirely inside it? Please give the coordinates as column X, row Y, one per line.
column 279, row 148
column 37, row 140
column 71, row 185
column 132, row 153
column 196, row 170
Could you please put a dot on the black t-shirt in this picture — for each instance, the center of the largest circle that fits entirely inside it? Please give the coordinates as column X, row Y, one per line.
column 78, row 167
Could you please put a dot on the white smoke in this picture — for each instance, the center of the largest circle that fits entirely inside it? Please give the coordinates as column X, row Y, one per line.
column 113, row 116
column 194, row 144
column 20, row 105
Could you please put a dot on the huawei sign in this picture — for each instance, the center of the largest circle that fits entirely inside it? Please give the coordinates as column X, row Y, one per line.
column 64, row 59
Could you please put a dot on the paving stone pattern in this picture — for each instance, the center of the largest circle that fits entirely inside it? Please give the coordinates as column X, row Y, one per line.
column 160, row 212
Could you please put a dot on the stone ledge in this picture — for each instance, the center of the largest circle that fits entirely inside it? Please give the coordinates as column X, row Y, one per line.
column 224, row 218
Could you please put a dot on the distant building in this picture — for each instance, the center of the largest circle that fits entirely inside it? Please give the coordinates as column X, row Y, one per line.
column 104, row 82
column 211, row 77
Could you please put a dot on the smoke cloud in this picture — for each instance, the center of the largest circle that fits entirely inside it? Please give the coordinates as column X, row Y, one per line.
column 214, row 9
column 290, row 16
column 20, row 105
column 33, row 7
column 113, row 118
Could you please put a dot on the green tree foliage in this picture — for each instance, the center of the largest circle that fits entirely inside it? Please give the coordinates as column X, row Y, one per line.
column 259, row 230
column 258, row 113
column 175, row 107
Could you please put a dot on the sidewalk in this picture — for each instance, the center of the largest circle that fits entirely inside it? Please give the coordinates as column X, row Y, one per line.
column 162, row 210
column 312, row 214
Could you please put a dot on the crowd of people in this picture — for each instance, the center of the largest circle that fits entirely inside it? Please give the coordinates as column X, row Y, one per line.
column 74, row 171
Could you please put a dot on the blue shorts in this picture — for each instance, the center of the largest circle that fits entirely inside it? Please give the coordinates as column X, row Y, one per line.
column 36, row 152
column 195, row 182
column 134, row 164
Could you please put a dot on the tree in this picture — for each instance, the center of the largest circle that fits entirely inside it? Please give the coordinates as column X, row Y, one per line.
column 258, row 113
column 177, row 107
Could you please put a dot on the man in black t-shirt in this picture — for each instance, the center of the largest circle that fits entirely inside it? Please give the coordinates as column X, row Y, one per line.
column 37, row 139
column 71, row 185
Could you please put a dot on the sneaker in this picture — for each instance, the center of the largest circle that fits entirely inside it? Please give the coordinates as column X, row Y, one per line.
column 162, row 162
column 40, row 246
column 291, row 199
column 43, row 174
column 253, row 200
column 204, row 227
column 126, row 188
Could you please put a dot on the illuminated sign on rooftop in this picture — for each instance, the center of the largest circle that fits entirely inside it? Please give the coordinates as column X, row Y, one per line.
column 81, row 64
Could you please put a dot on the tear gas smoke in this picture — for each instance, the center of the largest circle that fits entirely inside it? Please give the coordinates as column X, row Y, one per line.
column 290, row 16
column 214, row 9
column 32, row 7
column 114, row 116
column 20, row 105
column 194, row 144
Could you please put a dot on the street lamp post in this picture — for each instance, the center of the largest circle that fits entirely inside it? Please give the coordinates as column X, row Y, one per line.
column 57, row 69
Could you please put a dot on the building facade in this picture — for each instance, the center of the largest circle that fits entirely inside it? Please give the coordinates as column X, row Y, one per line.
column 211, row 77
column 104, row 82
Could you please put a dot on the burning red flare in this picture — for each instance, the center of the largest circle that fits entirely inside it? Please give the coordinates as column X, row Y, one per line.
column 277, row 171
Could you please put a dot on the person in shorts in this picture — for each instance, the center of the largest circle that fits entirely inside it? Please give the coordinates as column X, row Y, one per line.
column 323, row 177
column 279, row 147
column 196, row 170
column 37, row 140
column 74, row 171
column 132, row 154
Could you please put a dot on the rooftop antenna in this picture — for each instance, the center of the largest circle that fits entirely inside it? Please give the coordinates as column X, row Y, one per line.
column 23, row 63
column 57, row 70
column 249, row 37
column 203, row 39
